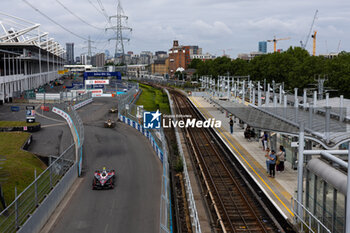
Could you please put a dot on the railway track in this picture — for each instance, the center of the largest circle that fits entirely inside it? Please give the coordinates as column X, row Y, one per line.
column 234, row 205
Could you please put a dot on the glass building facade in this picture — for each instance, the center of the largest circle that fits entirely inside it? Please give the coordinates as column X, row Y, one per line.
column 263, row 46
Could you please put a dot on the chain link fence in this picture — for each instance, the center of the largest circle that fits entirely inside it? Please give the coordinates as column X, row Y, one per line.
column 30, row 198
column 27, row 201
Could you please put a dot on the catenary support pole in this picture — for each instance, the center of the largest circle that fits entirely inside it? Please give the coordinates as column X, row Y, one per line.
column 341, row 110
column 259, row 95
column 281, row 94
column 300, row 169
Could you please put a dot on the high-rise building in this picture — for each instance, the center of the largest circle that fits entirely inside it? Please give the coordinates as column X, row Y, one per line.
column 84, row 59
column 70, row 53
column 98, row 60
column 263, row 46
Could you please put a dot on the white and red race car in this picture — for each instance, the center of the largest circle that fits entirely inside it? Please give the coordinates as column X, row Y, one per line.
column 103, row 179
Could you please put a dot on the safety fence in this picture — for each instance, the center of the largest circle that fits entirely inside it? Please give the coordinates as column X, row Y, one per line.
column 30, row 199
column 146, row 133
column 128, row 115
column 307, row 221
column 68, row 111
column 25, row 203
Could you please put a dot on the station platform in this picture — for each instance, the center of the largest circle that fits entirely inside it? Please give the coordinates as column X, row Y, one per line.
column 252, row 156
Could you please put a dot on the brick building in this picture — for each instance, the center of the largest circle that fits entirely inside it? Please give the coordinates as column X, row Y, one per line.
column 160, row 66
column 180, row 56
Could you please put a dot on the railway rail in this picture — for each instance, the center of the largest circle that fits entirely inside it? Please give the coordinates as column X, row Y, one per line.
column 234, row 204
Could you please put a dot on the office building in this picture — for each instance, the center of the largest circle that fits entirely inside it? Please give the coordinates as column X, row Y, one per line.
column 98, row 60
column 263, row 46
column 70, row 53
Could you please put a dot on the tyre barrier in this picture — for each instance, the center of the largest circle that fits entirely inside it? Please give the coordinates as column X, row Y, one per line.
column 31, row 128
column 27, row 143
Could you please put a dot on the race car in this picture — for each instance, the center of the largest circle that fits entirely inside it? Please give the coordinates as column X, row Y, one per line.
column 113, row 110
column 109, row 124
column 103, row 179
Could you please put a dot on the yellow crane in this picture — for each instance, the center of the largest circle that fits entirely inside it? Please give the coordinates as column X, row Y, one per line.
column 275, row 42
column 314, row 43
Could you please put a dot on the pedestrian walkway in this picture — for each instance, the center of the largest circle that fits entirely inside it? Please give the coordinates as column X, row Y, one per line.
column 251, row 155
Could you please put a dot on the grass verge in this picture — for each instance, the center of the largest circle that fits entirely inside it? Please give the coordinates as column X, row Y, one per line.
column 18, row 166
column 153, row 99
column 17, row 123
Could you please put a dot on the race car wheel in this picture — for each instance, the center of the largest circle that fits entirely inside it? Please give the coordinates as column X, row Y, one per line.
column 93, row 184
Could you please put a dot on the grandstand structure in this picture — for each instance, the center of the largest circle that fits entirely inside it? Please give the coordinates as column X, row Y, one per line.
column 29, row 58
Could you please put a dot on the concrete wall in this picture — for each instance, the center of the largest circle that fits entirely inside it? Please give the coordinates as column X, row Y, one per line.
column 47, row 207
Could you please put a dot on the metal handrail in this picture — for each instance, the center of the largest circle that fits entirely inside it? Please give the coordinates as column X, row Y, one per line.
column 319, row 223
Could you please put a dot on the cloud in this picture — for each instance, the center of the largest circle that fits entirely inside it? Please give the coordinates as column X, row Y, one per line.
column 217, row 28
column 213, row 25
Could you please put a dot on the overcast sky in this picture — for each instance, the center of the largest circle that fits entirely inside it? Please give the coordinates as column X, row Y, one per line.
column 234, row 25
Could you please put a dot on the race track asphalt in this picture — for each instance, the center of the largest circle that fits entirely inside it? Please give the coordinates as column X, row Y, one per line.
column 133, row 205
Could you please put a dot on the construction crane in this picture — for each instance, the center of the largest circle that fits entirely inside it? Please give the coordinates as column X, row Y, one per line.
column 224, row 51
column 275, row 42
column 314, row 43
column 303, row 45
column 338, row 46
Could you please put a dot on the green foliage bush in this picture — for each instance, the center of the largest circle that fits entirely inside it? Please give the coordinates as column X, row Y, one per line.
column 295, row 67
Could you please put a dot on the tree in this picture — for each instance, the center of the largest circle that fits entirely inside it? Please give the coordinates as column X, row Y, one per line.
column 295, row 67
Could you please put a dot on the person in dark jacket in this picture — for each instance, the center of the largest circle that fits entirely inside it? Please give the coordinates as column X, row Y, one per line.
column 273, row 159
column 281, row 156
column 231, row 125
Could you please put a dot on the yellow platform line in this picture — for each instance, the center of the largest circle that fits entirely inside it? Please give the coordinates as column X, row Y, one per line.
column 278, row 198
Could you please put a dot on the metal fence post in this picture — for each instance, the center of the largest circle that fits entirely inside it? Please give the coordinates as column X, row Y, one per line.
column 254, row 95
column 50, row 162
column 327, row 122
column 300, row 169
column 259, row 95
column 16, row 208
column 35, row 189
column 311, row 110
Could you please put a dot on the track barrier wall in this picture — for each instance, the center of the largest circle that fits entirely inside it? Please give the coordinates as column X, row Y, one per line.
column 30, row 200
column 145, row 133
column 158, row 142
column 38, row 219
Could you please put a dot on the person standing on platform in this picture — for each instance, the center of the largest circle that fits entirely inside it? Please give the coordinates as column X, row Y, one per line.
column 231, row 125
column 281, row 155
column 267, row 156
column 272, row 162
column 264, row 140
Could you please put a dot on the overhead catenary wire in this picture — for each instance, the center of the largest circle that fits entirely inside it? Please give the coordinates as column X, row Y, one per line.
column 53, row 21
column 96, row 7
column 78, row 17
column 103, row 10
